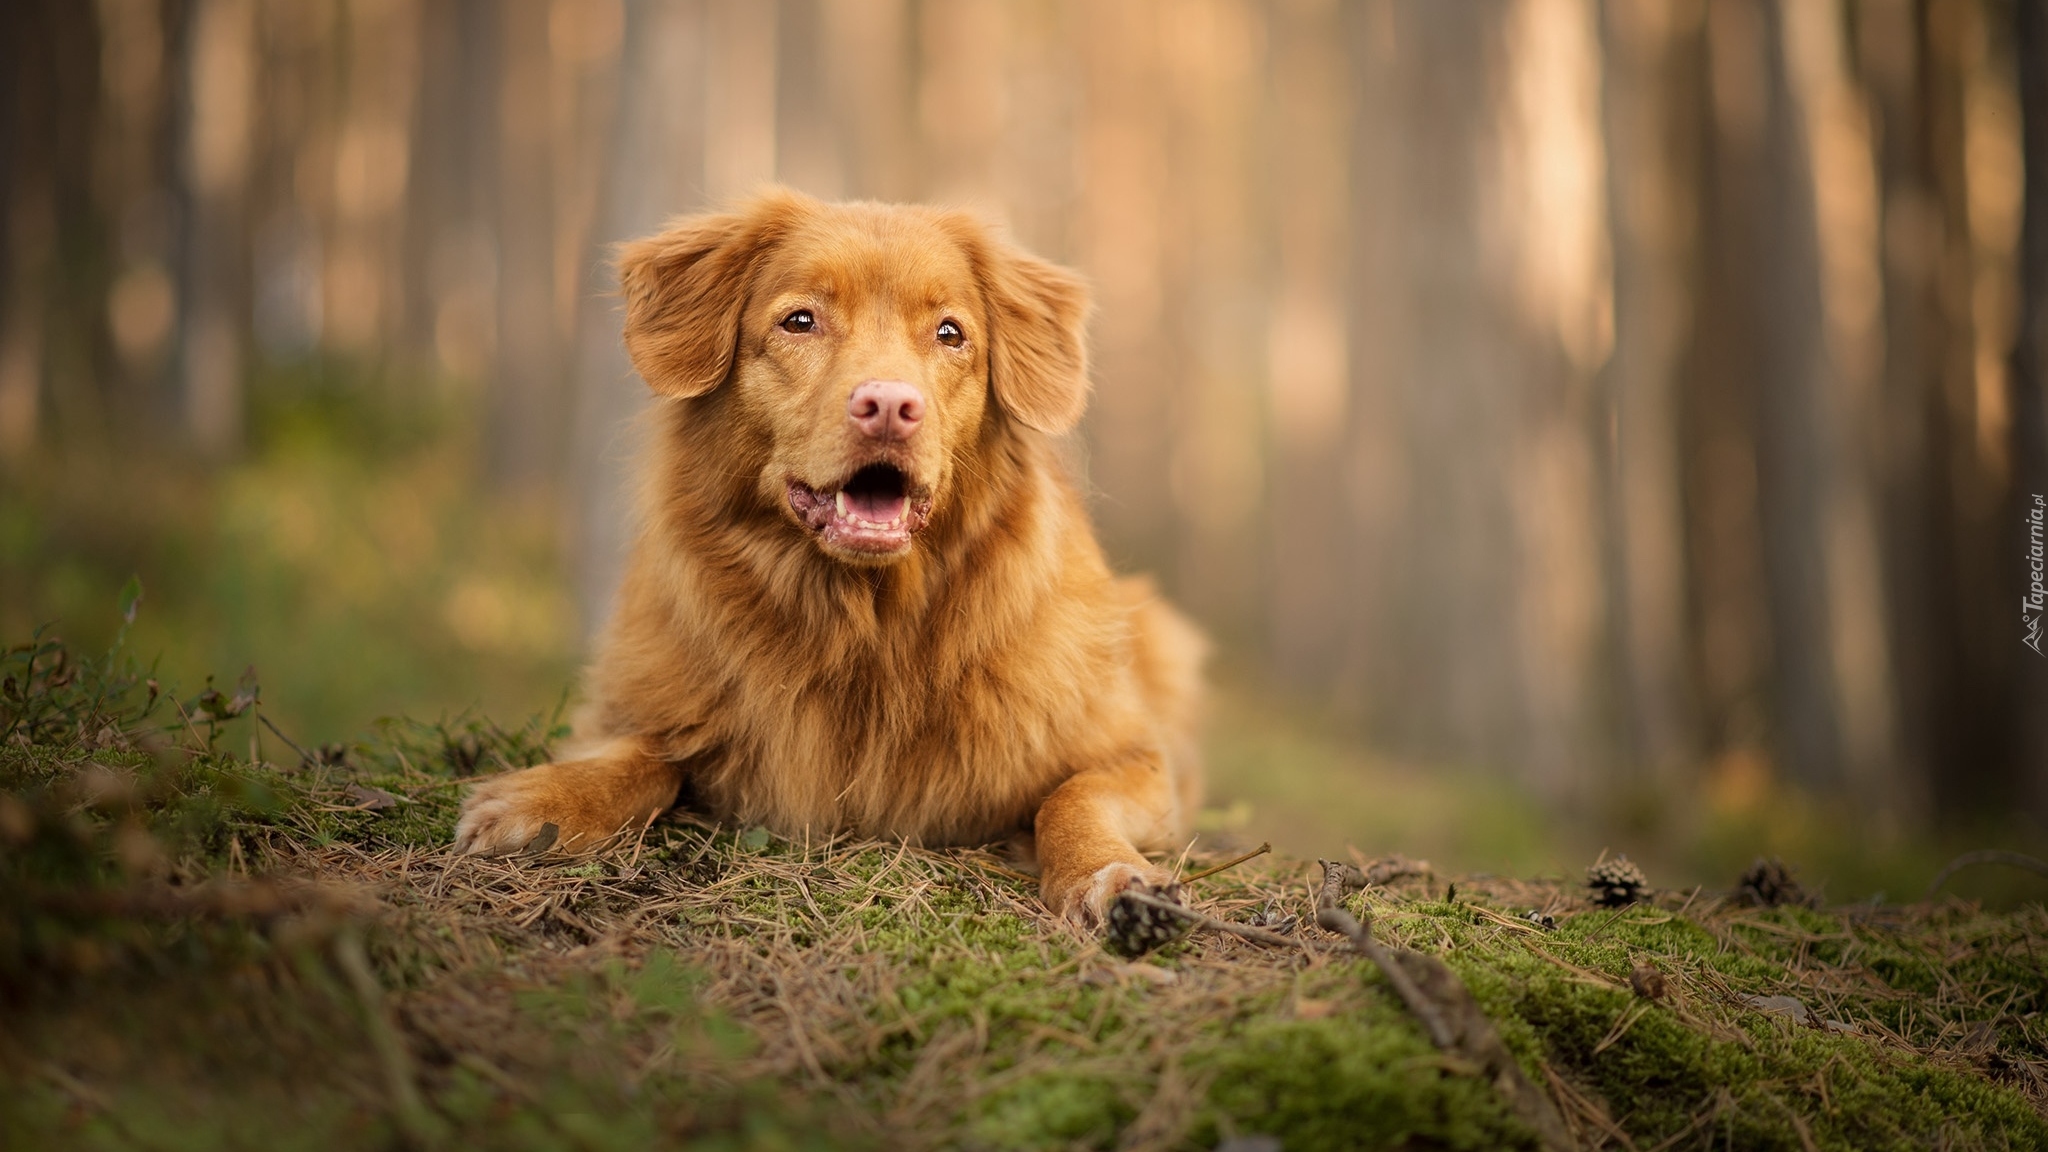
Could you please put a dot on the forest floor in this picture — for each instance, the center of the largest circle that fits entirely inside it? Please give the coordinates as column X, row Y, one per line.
column 202, row 948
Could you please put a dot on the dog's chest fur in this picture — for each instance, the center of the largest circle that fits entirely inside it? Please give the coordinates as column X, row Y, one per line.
column 939, row 702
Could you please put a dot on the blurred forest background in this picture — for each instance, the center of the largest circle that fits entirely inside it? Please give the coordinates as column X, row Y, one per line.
column 1580, row 422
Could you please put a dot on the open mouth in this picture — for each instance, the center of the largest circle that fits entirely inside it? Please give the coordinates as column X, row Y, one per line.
column 871, row 511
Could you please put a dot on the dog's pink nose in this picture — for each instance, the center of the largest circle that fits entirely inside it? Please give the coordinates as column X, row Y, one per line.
column 886, row 409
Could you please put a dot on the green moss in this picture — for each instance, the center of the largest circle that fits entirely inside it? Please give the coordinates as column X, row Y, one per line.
column 1053, row 1110
column 1360, row 1081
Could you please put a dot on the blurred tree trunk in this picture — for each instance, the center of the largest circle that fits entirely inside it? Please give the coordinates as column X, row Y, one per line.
column 49, row 73
column 810, row 148
column 1124, row 155
column 1830, row 129
column 450, row 249
column 218, row 136
column 1650, row 129
column 873, row 95
column 1754, row 479
column 2029, row 377
column 288, row 209
column 739, row 97
column 1948, row 511
column 958, row 119
column 654, row 170
column 1792, row 445
column 1306, row 370
column 1556, row 339
column 1214, row 288
column 526, row 393
column 133, row 193
column 1438, row 391
column 379, row 72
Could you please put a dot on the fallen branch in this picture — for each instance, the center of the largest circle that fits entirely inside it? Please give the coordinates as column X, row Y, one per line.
column 1454, row 1021
column 1233, row 862
column 1985, row 856
column 305, row 757
column 1338, row 881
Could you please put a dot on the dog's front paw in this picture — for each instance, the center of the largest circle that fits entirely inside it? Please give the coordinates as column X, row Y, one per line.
column 1085, row 898
column 531, row 810
column 502, row 816
column 588, row 803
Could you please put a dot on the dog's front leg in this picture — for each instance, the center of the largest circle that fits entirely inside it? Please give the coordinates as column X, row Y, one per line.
column 1088, row 832
column 616, row 789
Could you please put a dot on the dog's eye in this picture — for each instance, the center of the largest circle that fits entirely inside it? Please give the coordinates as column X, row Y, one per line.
column 950, row 334
column 800, row 320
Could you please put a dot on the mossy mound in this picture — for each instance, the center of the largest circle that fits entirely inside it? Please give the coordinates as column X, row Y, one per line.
column 211, row 939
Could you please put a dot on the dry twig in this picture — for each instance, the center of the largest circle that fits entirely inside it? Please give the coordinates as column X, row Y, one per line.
column 1233, row 862
column 1454, row 1021
column 1985, row 856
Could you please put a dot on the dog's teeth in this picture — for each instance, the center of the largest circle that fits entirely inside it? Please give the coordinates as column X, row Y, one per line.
column 839, row 501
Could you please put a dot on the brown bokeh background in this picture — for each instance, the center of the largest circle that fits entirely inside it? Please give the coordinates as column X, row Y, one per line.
column 1580, row 421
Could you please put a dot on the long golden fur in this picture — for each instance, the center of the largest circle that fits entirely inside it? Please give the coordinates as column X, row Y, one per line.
column 960, row 669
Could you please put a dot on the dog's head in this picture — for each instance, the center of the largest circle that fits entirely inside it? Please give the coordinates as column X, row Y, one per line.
column 865, row 350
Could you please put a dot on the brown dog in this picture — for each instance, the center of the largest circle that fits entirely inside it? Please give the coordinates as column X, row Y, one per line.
column 864, row 597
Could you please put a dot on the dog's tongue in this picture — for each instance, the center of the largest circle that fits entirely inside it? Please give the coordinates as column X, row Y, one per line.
column 873, row 512
column 876, row 507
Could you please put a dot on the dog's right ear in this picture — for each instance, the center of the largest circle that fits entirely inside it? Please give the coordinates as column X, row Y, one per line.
column 686, row 288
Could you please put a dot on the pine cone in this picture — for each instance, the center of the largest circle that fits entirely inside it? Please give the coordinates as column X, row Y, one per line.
column 1616, row 883
column 1769, row 882
column 1136, row 928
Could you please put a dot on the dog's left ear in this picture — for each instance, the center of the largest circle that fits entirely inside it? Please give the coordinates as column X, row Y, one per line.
column 685, row 289
column 1038, row 349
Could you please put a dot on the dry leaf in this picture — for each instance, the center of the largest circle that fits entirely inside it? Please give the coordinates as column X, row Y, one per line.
column 369, row 799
